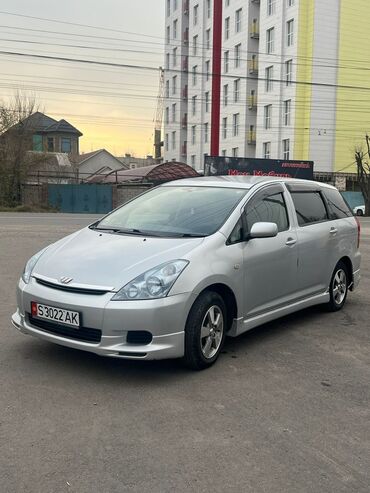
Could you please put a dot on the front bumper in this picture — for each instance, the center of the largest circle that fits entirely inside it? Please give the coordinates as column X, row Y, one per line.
column 164, row 318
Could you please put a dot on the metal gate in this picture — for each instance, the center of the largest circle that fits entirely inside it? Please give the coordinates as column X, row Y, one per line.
column 85, row 198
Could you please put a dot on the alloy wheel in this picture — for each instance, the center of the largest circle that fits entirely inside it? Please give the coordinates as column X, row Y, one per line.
column 211, row 332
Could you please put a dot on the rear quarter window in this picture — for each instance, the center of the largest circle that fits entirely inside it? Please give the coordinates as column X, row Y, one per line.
column 310, row 208
column 338, row 209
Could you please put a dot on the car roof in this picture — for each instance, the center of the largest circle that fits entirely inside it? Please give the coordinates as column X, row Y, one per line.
column 239, row 181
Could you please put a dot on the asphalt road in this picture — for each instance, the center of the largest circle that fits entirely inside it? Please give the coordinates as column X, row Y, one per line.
column 286, row 408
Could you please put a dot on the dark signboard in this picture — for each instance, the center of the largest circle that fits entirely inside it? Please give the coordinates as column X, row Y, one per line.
column 220, row 165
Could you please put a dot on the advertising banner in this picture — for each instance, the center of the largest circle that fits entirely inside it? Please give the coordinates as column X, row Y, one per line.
column 220, row 165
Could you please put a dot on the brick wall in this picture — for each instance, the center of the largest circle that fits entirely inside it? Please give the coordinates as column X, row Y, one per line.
column 124, row 193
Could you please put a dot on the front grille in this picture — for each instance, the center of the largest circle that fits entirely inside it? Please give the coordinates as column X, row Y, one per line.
column 81, row 334
column 71, row 289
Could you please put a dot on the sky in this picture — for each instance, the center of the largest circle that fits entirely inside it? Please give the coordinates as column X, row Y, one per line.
column 114, row 107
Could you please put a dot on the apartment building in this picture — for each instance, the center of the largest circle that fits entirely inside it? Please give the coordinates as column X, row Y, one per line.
column 293, row 82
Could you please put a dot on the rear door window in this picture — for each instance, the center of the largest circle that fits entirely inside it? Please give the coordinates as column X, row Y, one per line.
column 338, row 209
column 310, row 207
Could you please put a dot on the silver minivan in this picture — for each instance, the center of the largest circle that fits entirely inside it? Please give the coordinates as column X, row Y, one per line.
column 175, row 270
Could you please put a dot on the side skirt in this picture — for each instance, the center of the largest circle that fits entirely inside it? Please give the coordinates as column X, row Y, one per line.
column 243, row 325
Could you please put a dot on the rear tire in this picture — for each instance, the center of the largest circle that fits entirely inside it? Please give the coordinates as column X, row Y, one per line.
column 338, row 287
column 205, row 331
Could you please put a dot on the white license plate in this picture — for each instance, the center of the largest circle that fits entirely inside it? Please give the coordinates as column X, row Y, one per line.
column 58, row 315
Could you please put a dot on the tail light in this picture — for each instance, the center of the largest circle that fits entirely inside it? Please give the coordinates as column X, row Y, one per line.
column 358, row 231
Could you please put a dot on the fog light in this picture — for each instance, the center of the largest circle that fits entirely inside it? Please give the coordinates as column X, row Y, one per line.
column 141, row 337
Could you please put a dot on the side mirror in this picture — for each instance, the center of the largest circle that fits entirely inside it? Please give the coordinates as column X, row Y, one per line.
column 263, row 230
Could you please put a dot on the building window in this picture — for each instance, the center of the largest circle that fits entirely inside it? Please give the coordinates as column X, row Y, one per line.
column 288, row 72
column 206, row 132
column 174, row 84
column 195, row 75
column 235, row 124
column 224, row 128
column 223, row 152
column 206, row 99
column 167, row 88
column 227, row 27
column 208, row 9
column 166, row 142
column 167, row 118
column 207, row 69
column 267, row 116
column 269, row 73
column 270, row 7
column 236, row 90
column 173, row 140
column 266, row 150
column 290, row 32
column 290, row 3
column 270, row 38
column 237, row 52
column 66, row 145
column 286, row 149
column 50, row 144
column 238, row 21
column 195, row 45
column 174, row 112
column 227, row 3
column 287, row 111
column 174, row 4
column 194, row 105
column 226, row 94
column 168, row 7
column 167, row 61
column 208, row 39
column 193, row 160
column 193, row 134
column 174, row 56
column 168, row 34
column 226, row 62
column 235, row 151
column 195, row 14
column 175, row 29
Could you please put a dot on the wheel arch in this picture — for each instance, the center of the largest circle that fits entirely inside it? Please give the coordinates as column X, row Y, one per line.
column 348, row 263
column 227, row 294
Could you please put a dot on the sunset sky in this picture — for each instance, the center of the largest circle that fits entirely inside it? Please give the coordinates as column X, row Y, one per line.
column 113, row 107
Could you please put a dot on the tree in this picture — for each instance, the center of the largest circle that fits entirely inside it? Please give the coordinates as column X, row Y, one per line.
column 16, row 131
column 363, row 173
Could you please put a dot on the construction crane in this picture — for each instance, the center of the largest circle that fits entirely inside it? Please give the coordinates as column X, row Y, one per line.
column 158, row 142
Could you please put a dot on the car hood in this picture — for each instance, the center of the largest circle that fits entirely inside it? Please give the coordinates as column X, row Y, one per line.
column 96, row 258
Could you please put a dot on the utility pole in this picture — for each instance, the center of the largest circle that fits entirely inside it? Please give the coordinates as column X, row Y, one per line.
column 216, row 77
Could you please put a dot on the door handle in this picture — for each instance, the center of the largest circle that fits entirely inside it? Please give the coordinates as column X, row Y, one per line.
column 333, row 231
column 291, row 241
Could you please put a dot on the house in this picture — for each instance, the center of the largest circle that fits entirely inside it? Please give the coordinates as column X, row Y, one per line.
column 132, row 162
column 99, row 162
column 49, row 135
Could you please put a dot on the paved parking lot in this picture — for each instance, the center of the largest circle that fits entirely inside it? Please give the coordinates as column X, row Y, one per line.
column 286, row 408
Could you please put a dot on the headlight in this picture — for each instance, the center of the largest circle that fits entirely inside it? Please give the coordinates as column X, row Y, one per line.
column 30, row 265
column 155, row 283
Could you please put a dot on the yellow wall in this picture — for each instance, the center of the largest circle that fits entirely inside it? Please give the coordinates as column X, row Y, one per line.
column 353, row 106
column 305, row 35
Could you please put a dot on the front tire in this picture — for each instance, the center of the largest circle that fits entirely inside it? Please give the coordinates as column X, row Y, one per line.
column 205, row 331
column 338, row 287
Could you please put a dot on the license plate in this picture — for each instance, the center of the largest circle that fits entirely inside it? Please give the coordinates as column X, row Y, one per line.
column 58, row 315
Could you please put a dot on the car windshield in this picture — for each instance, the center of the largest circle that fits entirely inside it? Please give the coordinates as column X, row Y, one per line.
column 175, row 211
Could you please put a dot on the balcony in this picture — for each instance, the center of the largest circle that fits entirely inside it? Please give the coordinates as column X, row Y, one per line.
column 255, row 30
column 252, row 102
column 185, row 93
column 256, row 1
column 185, row 64
column 185, row 37
column 184, row 121
column 186, row 7
column 253, row 66
column 251, row 137
column 184, row 149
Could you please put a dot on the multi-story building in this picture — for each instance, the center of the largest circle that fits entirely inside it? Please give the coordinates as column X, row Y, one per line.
column 294, row 80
